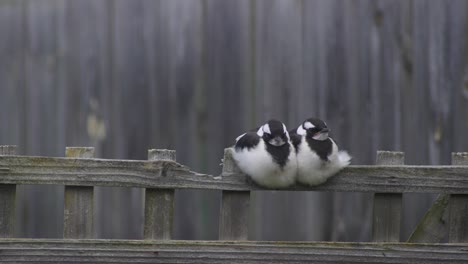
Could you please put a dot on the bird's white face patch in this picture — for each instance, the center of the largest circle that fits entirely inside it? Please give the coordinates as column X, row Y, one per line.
column 285, row 130
column 260, row 131
column 320, row 136
column 301, row 131
column 308, row 125
column 266, row 129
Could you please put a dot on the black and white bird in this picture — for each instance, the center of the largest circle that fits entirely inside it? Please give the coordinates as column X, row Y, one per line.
column 267, row 155
column 318, row 157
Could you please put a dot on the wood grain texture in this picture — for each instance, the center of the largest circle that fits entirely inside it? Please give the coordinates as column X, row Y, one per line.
column 434, row 225
column 159, row 204
column 78, row 211
column 125, row 251
column 235, row 206
column 387, row 206
column 7, row 201
column 40, row 208
column 169, row 174
column 458, row 208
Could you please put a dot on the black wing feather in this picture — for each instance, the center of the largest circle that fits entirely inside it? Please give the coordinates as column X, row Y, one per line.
column 295, row 139
column 249, row 140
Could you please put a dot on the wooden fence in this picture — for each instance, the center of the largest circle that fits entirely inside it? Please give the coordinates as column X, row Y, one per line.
column 161, row 175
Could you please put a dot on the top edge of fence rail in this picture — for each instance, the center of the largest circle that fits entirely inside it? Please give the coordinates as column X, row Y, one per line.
column 152, row 174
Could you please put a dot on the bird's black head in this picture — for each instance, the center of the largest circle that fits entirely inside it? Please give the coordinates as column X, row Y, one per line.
column 314, row 128
column 274, row 133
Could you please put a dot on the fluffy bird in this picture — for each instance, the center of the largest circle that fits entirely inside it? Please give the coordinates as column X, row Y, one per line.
column 267, row 155
column 318, row 157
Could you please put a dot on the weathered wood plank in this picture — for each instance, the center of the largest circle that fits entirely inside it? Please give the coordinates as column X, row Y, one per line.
column 433, row 227
column 7, row 201
column 387, row 206
column 154, row 251
column 155, row 174
column 78, row 211
column 235, row 206
column 159, row 204
column 458, row 208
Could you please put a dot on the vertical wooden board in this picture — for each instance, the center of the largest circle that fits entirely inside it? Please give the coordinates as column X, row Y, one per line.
column 278, row 78
column 458, row 208
column 387, row 206
column 385, row 73
column 234, row 216
column 226, row 42
column 225, row 32
column 85, row 80
column 415, row 93
column 317, row 17
column 235, row 206
column 357, row 36
column 83, row 32
column 278, row 58
column 7, row 201
column 78, row 216
column 129, row 106
column 40, row 207
column 348, row 105
column 426, row 123
column 178, row 39
column 385, row 82
column 458, row 65
column 157, row 63
column 450, row 61
column 159, row 204
column 11, row 72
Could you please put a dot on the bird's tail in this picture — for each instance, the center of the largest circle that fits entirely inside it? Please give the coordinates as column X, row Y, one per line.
column 344, row 159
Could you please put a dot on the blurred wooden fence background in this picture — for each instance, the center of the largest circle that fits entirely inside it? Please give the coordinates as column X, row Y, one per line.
column 191, row 75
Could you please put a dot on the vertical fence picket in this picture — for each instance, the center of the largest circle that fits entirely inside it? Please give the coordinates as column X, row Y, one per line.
column 458, row 204
column 78, row 219
column 159, row 203
column 387, row 206
column 7, row 201
column 234, row 213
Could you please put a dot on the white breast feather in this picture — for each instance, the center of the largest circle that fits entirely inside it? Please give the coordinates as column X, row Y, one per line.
column 259, row 165
column 312, row 170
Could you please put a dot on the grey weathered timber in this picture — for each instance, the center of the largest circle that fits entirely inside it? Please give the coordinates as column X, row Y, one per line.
column 170, row 174
column 7, row 201
column 434, row 225
column 433, row 228
column 387, row 206
column 78, row 214
column 458, row 208
column 159, row 203
column 156, row 251
column 235, row 206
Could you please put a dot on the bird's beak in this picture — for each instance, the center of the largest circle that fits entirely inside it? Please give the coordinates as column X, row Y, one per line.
column 322, row 135
column 277, row 141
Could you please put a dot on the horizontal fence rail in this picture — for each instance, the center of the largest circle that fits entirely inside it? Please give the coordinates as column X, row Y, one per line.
column 172, row 175
column 138, row 251
column 160, row 175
